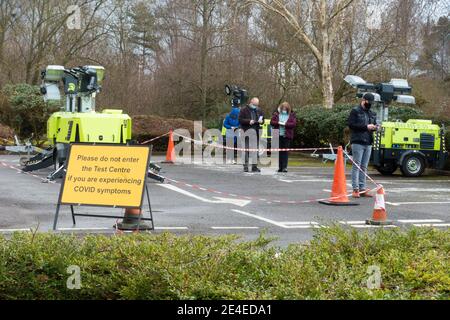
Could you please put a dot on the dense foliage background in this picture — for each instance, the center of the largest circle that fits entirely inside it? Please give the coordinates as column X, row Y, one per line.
column 22, row 108
column 172, row 58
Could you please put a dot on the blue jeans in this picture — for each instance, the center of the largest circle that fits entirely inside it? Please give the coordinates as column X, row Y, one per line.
column 361, row 155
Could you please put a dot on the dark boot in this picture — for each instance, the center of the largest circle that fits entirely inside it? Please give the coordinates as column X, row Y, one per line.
column 255, row 169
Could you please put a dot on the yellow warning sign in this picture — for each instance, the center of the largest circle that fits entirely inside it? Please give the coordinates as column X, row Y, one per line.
column 105, row 175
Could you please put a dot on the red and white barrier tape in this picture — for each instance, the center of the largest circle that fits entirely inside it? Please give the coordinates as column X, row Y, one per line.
column 27, row 173
column 378, row 186
column 251, row 150
column 252, row 198
column 154, row 139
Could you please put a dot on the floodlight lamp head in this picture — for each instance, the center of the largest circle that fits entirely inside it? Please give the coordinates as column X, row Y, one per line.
column 354, row 81
column 396, row 90
column 406, row 99
column 237, row 93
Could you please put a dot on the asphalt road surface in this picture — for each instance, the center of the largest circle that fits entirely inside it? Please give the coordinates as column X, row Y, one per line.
column 215, row 200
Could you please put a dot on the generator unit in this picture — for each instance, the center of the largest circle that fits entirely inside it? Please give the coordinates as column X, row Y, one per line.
column 410, row 146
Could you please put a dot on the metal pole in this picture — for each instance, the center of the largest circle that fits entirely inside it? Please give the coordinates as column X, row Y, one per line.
column 73, row 215
column 149, row 206
column 56, row 216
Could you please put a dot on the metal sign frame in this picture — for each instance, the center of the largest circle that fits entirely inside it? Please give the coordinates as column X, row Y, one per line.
column 144, row 192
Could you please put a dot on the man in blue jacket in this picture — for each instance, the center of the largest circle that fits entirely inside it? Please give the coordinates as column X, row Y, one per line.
column 362, row 123
column 231, row 125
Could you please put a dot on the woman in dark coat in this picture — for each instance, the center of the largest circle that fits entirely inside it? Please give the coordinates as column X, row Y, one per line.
column 285, row 121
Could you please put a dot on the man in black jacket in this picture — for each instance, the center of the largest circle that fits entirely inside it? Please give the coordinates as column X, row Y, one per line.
column 250, row 119
column 362, row 123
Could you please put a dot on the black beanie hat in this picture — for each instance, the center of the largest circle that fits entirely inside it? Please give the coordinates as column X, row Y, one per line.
column 369, row 97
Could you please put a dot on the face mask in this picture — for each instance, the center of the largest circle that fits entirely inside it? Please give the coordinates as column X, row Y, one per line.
column 368, row 105
column 252, row 106
column 284, row 111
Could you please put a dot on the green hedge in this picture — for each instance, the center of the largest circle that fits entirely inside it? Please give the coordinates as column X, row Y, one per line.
column 414, row 264
column 22, row 107
column 318, row 126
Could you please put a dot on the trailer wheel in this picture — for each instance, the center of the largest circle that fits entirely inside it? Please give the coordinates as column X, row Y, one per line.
column 387, row 169
column 24, row 160
column 413, row 166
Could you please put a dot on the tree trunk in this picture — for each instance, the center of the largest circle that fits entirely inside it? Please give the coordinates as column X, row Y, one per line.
column 327, row 83
column 325, row 72
column 204, row 57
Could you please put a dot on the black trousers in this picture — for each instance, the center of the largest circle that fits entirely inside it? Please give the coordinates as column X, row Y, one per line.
column 285, row 143
column 251, row 155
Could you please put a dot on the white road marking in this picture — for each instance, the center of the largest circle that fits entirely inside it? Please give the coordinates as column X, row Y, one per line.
column 236, row 202
column 392, row 203
column 419, row 202
column 359, row 224
column 406, row 181
column 104, row 229
column 275, row 223
column 171, row 228
column 234, row 228
column 304, row 227
column 16, row 230
column 353, row 222
column 419, row 220
column 428, row 190
column 306, row 180
column 284, row 225
column 300, row 224
column 367, row 226
column 435, row 225
column 84, row 229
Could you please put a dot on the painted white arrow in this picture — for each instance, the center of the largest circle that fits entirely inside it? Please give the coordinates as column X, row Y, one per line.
column 236, row 202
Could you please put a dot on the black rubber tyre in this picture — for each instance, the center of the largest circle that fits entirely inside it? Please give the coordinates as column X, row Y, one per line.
column 413, row 165
column 23, row 160
column 387, row 169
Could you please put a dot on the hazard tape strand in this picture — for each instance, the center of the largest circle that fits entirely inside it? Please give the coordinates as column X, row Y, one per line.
column 154, row 139
column 378, row 186
column 253, row 198
column 250, row 149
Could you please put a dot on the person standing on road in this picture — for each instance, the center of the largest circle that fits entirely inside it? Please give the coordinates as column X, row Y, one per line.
column 285, row 121
column 231, row 125
column 250, row 119
column 362, row 123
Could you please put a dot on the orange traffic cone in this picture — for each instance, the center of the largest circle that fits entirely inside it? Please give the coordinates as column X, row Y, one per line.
column 131, row 221
column 379, row 217
column 170, row 156
column 339, row 190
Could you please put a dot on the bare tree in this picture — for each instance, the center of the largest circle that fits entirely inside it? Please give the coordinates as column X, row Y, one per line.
column 326, row 17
